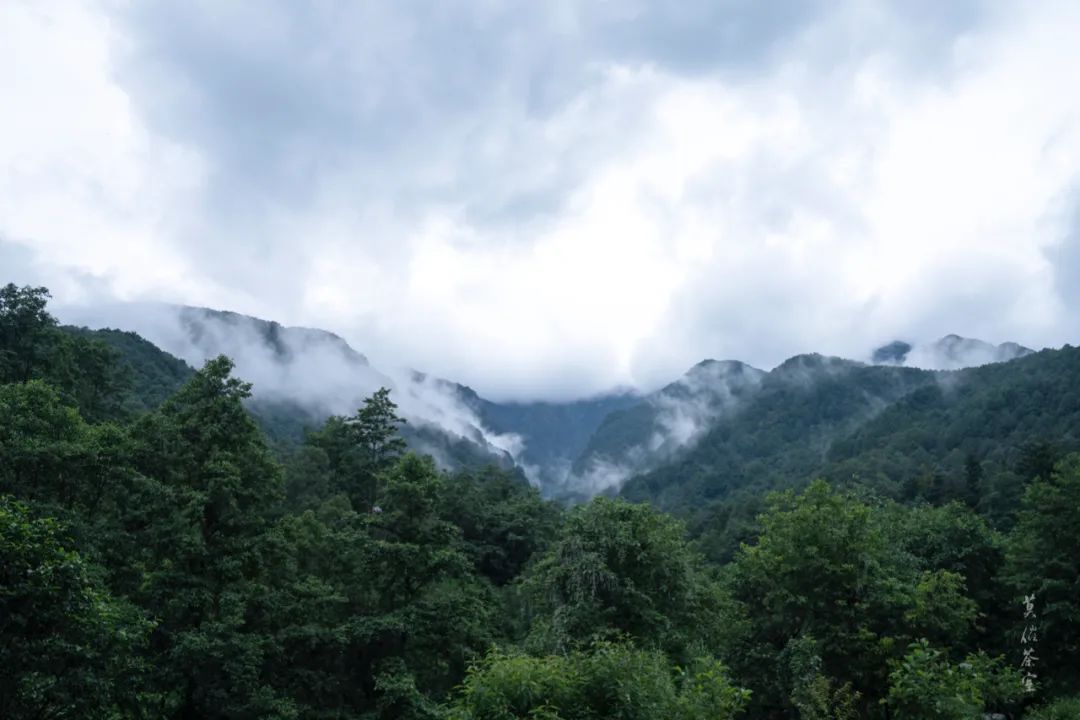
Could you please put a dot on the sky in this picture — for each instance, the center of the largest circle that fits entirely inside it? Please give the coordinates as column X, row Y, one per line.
column 548, row 200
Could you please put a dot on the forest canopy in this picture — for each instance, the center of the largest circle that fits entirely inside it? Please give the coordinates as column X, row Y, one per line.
column 159, row 558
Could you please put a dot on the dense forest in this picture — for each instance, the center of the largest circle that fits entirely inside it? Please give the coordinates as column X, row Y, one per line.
column 162, row 559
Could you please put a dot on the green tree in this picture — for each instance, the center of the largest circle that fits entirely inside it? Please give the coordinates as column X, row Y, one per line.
column 503, row 520
column 1037, row 460
column 607, row 681
column 924, row 685
column 53, row 457
column 25, row 325
column 825, row 567
column 360, row 448
column 1043, row 559
column 392, row 610
column 204, row 540
column 1063, row 709
column 67, row 648
column 90, row 376
column 619, row 569
column 973, row 477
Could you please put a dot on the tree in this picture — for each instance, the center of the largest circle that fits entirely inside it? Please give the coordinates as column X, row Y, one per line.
column 392, row 610
column 375, row 429
column 606, row 681
column 361, row 447
column 955, row 539
column 973, row 476
column 24, row 324
column 50, row 455
column 924, row 685
column 503, row 520
column 204, row 542
column 67, row 648
column 90, row 376
column 825, row 567
column 619, row 569
column 1043, row 560
column 1037, row 460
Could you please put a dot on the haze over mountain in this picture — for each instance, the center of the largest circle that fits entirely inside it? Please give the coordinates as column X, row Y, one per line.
column 575, row 448
column 951, row 352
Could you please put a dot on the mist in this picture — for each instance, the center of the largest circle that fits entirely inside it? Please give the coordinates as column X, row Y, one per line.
column 312, row 369
column 951, row 352
column 676, row 417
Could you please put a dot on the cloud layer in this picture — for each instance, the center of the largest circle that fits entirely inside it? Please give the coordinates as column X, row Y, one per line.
column 550, row 199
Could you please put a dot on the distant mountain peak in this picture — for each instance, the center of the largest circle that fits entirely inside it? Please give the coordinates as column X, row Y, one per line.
column 717, row 369
column 951, row 352
column 894, row 353
column 814, row 362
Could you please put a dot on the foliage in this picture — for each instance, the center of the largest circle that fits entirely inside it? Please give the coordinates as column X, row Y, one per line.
column 619, row 569
column 1044, row 560
column 67, row 647
column 358, row 449
column 824, row 568
column 503, row 520
column 924, row 685
column 158, row 560
column 607, row 681
column 24, row 326
column 1063, row 709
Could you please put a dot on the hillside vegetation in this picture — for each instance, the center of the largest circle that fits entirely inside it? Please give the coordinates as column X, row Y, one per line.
column 159, row 560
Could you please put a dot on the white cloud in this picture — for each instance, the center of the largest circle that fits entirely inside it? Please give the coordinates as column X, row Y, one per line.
column 505, row 198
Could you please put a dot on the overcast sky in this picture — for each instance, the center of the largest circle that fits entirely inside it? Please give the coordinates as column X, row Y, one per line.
column 547, row 199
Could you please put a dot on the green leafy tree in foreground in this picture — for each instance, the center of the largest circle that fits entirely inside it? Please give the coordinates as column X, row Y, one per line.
column 205, row 540
column 392, row 609
column 67, row 648
column 619, row 569
column 607, row 681
column 826, row 573
column 1043, row 560
column 24, row 327
column 924, row 685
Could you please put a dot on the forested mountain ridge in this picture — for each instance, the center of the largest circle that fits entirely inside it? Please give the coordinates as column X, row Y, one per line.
column 641, row 437
column 817, row 417
column 303, row 375
column 951, row 352
column 782, row 429
column 576, row 449
column 166, row 563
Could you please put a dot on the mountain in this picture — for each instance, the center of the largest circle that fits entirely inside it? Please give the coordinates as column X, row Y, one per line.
column 895, row 353
column 154, row 374
column 722, row 428
column 782, row 428
column 554, row 434
column 977, row 435
column 951, row 352
column 643, row 436
column 300, row 376
column 988, row 413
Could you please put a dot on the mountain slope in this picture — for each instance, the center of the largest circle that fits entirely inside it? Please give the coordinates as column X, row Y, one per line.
column 554, row 434
column 903, row 432
column 300, row 376
column 951, row 352
column 154, row 373
column 647, row 434
column 783, row 430
column 988, row 413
